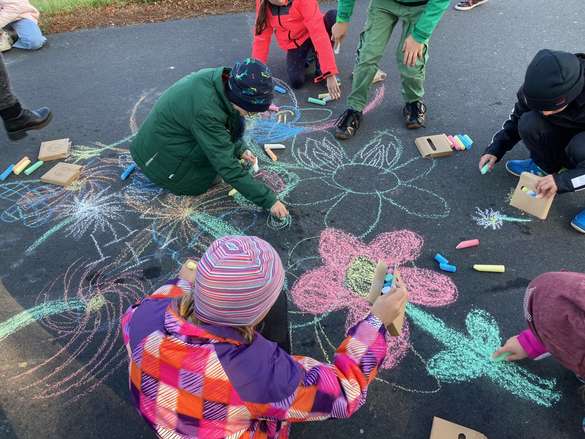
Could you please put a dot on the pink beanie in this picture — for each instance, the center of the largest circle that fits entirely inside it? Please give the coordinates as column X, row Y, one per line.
column 238, row 279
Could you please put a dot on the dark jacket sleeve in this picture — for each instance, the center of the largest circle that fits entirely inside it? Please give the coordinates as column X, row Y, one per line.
column 570, row 180
column 216, row 143
column 505, row 139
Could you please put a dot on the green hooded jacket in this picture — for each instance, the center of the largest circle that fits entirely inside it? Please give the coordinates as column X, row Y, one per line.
column 425, row 25
column 189, row 138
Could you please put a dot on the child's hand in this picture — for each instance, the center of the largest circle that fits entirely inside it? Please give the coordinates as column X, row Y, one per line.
column 279, row 210
column 513, row 347
column 333, row 87
column 546, row 186
column 249, row 156
column 413, row 50
column 188, row 271
column 387, row 307
column 488, row 159
column 339, row 32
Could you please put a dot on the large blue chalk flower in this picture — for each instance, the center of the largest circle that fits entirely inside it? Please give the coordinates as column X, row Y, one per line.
column 358, row 188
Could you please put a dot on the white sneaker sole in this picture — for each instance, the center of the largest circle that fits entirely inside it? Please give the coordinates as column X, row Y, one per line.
column 577, row 228
column 469, row 8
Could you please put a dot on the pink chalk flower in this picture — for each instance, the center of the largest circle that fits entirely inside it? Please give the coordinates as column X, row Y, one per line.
column 344, row 281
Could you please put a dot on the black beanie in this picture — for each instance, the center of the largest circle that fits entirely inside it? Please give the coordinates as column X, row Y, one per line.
column 553, row 79
column 250, row 86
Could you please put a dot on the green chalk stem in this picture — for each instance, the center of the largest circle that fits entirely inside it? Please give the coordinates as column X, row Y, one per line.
column 39, row 312
column 317, row 101
column 467, row 357
column 502, row 357
column 33, row 168
column 485, row 169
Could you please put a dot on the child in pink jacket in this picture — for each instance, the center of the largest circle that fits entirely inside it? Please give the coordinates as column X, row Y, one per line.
column 199, row 368
column 301, row 30
column 21, row 18
column 554, row 308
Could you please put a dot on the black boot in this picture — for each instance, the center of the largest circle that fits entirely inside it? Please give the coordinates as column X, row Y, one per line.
column 347, row 124
column 415, row 114
column 17, row 127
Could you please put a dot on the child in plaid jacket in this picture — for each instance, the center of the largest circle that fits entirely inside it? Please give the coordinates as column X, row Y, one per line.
column 199, row 370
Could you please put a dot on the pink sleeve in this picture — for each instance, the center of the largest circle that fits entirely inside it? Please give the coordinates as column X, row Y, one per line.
column 531, row 344
column 318, row 33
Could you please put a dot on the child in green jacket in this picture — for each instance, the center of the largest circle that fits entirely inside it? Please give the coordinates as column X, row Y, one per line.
column 419, row 18
column 193, row 135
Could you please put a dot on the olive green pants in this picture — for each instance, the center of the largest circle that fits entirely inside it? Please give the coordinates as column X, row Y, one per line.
column 383, row 15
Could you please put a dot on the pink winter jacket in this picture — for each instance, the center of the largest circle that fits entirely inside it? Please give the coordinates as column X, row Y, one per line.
column 293, row 24
column 12, row 10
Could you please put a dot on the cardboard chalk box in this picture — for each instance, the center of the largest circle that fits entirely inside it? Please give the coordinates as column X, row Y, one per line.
column 443, row 429
column 62, row 174
column 55, row 150
column 434, row 146
column 525, row 199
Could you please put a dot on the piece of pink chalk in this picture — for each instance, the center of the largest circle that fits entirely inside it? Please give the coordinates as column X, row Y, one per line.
column 467, row 244
column 274, row 108
column 452, row 142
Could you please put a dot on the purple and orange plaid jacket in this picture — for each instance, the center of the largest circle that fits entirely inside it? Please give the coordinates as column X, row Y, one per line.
column 204, row 381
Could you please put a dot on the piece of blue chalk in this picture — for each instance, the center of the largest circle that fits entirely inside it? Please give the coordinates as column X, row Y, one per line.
column 129, row 170
column 448, row 267
column 463, row 140
column 388, row 279
column 468, row 140
column 279, row 89
column 441, row 259
column 6, row 173
column 386, row 290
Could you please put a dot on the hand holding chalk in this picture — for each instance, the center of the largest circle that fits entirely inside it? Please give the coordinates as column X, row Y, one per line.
column 188, row 271
column 511, row 351
column 389, row 306
column 279, row 210
column 487, row 163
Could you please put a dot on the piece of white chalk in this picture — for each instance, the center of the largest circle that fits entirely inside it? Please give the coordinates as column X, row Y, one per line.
column 274, row 146
column 337, row 47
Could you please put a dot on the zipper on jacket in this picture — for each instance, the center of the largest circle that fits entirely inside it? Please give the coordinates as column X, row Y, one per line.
column 150, row 160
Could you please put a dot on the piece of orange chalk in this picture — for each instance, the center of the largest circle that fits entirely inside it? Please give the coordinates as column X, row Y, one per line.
column 467, row 244
column 271, row 154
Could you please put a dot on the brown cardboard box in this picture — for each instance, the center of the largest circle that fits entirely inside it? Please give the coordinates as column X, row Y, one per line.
column 62, row 174
column 443, row 429
column 55, row 150
column 522, row 200
column 434, row 146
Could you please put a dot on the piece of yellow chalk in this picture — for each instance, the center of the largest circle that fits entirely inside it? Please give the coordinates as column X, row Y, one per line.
column 490, row 268
column 21, row 165
column 233, row 192
column 324, row 95
column 191, row 265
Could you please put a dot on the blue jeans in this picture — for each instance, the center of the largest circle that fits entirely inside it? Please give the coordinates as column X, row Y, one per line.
column 30, row 36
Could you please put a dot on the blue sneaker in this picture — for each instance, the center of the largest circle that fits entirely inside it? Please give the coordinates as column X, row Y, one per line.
column 517, row 167
column 578, row 222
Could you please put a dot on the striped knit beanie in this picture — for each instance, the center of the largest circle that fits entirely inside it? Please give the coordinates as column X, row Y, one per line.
column 238, row 280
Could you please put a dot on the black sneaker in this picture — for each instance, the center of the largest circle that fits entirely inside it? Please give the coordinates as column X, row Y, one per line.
column 347, row 124
column 415, row 114
column 27, row 120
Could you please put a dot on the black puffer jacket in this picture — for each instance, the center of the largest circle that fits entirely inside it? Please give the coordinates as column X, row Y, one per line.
column 573, row 117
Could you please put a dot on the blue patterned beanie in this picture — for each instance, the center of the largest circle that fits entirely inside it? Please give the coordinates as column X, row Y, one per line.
column 250, row 86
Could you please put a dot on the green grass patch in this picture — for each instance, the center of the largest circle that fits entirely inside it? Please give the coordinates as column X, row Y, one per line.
column 50, row 7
